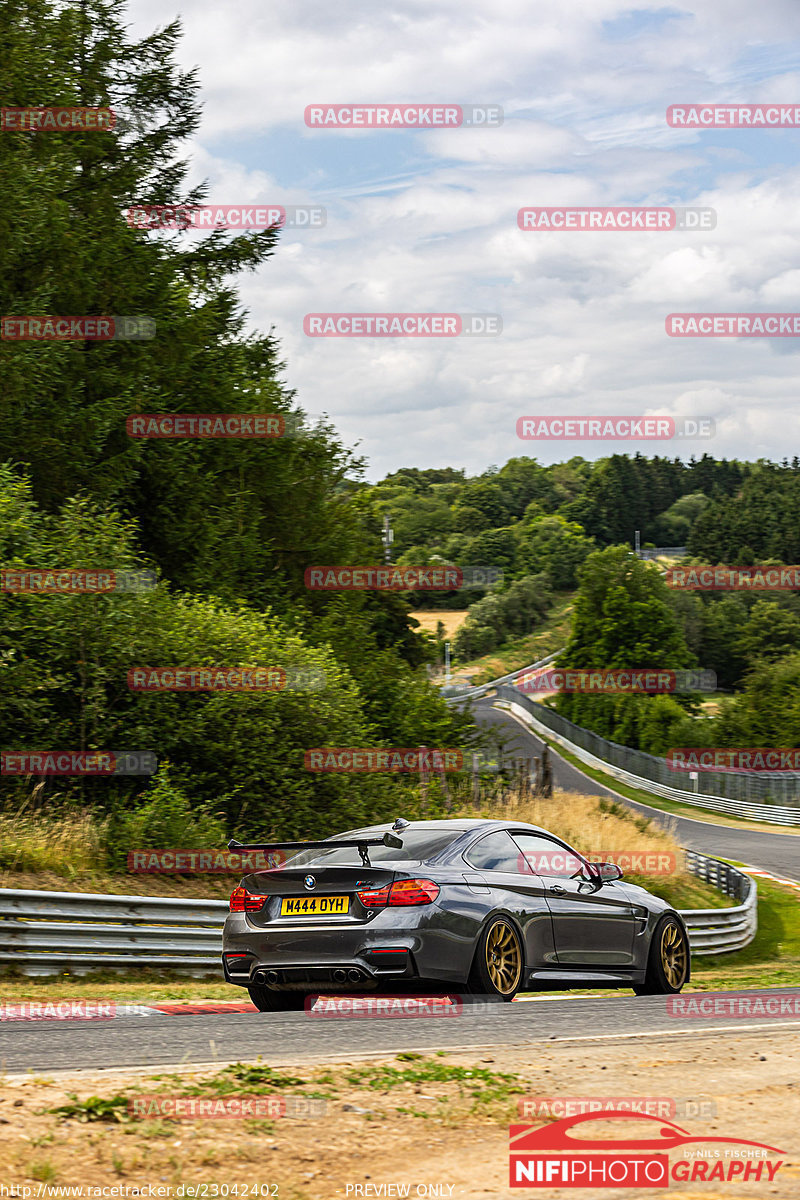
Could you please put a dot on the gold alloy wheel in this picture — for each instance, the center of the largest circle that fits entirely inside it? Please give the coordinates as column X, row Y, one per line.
column 673, row 955
column 503, row 959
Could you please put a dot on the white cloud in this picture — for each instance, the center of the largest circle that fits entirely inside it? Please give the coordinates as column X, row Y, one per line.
column 427, row 221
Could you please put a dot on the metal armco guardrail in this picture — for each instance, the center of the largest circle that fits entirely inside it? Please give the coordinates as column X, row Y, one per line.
column 547, row 722
column 474, row 693
column 42, row 933
column 45, row 932
column 719, row 930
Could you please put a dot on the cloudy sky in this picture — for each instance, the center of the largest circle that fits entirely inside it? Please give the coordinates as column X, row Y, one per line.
column 426, row 221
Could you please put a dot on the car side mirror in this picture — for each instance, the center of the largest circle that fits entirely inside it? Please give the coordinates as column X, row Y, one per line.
column 607, row 872
column 389, row 839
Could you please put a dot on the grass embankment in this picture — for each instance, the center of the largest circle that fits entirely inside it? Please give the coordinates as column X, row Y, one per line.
column 589, row 823
column 452, row 619
column 66, row 853
column 673, row 807
column 335, row 1116
column 551, row 635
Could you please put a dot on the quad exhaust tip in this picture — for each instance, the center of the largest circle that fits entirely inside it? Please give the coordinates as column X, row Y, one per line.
column 340, row 976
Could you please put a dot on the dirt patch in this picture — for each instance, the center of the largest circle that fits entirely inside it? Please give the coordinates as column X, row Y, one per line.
column 451, row 619
column 435, row 1121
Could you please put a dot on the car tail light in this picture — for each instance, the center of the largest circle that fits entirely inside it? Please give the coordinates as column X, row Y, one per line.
column 413, row 891
column 375, row 899
column 244, row 901
column 403, row 893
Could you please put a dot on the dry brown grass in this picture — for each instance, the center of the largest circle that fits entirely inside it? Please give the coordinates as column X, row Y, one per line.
column 67, row 845
column 452, row 620
column 599, row 827
column 592, row 824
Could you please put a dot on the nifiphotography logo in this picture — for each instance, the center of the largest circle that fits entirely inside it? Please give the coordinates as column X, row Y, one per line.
column 550, row 1156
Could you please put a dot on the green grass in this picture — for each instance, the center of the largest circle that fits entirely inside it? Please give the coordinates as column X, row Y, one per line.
column 771, row 960
column 675, row 808
column 136, row 986
column 551, row 635
column 480, row 1087
column 112, row 1110
column 239, row 1078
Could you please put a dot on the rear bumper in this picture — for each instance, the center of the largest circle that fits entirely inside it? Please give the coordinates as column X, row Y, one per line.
column 387, row 949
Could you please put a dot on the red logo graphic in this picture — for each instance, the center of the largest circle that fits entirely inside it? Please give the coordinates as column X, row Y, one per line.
column 550, row 1156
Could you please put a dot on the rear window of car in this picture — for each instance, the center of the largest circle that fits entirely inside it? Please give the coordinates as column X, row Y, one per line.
column 419, row 845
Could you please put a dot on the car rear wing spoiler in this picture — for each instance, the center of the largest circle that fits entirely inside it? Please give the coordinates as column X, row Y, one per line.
column 363, row 844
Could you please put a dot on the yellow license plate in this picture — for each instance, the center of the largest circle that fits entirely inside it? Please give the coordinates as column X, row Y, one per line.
column 315, row 906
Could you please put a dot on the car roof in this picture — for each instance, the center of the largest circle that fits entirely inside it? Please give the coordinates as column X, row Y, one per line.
column 457, row 825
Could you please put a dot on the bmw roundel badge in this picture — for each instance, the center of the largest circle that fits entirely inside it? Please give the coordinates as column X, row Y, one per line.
column 310, row 882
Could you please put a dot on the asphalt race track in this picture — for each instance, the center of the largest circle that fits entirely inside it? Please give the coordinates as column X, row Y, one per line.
column 158, row 1039
column 775, row 852
column 47, row 1046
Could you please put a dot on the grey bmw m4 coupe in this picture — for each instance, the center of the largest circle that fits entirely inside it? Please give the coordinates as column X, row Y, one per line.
column 487, row 907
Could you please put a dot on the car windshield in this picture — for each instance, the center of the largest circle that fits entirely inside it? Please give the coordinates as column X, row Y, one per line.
column 419, row 845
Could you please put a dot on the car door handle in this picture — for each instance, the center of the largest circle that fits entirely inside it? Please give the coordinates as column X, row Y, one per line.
column 558, row 890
